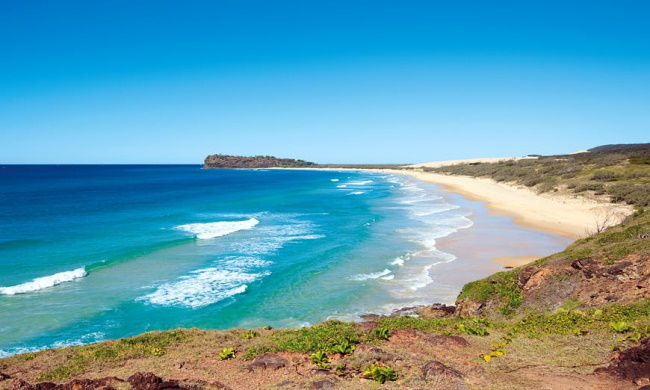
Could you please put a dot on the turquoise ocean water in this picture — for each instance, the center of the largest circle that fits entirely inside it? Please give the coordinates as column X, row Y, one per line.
column 89, row 253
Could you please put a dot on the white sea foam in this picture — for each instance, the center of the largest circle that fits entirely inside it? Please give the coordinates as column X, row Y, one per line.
column 422, row 279
column 342, row 186
column 357, row 193
column 272, row 238
column 359, row 183
column 202, row 287
column 85, row 339
column 44, row 282
column 335, row 180
column 400, row 260
column 388, row 277
column 247, row 262
column 375, row 275
column 210, row 230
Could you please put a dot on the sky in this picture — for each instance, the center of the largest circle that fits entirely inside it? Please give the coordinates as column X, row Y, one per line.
column 367, row 81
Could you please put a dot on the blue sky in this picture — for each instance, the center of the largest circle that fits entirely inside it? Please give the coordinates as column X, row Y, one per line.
column 326, row 81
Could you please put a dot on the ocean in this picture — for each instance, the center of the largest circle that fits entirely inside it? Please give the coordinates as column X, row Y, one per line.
column 91, row 252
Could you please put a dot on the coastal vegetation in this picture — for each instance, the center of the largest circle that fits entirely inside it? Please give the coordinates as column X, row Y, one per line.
column 579, row 318
column 222, row 161
column 618, row 172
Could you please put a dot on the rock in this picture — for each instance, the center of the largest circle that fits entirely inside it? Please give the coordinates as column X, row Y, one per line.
column 77, row 384
column 405, row 311
column 447, row 341
column 525, row 275
column 448, row 309
column 632, row 363
column 469, row 308
column 149, row 381
column 436, row 310
column 19, row 384
column 377, row 354
column 91, row 384
column 618, row 269
column 269, row 360
column 437, row 370
column 324, row 384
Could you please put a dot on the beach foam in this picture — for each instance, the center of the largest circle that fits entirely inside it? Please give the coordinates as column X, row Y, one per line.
column 421, row 280
column 202, row 287
column 44, row 282
column 359, row 183
column 206, row 231
column 400, row 260
column 375, row 275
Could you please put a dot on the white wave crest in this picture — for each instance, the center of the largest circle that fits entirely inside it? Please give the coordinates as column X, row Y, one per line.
column 205, row 231
column 359, row 183
column 400, row 260
column 202, row 287
column 375, row 275
column 44, row 282
column 421, row 280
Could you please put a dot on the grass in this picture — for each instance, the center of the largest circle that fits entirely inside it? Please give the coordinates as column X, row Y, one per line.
column 501, row 286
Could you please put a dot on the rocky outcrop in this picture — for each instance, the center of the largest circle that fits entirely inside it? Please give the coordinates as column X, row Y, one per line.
column 221, row 161
column 77, row 384
column 270, row 361
column 591, row 281
column 437, row 370
column 149, row 381
column 137, row 381
column 631, row 364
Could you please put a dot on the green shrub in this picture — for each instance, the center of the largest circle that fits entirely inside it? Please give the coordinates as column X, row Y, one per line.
column 381, row 333
column 324, row 337
column 251, row 334
column 380, row 373
column 227, row 354
column 320, row 359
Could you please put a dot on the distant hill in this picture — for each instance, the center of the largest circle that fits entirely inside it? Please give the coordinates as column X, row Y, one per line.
column 222, row 161
column 621, row 148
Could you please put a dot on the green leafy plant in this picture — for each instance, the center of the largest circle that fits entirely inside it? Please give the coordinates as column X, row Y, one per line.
column 323, row 337
column 320, row 359
column 497, row 350
column 473, row 330
column 620, row 326
column 227, row 354
column 251, row 334
column 381, row 333
column 344, row 348
column 156, row 351
column 380, row 373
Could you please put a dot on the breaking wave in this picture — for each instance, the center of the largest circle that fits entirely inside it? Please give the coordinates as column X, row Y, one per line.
column 206, row 231
column 44, row 282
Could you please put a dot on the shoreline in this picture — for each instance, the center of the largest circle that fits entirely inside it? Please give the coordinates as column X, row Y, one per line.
column 569, row 217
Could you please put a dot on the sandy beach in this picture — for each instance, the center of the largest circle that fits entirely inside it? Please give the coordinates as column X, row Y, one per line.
column 569, row 216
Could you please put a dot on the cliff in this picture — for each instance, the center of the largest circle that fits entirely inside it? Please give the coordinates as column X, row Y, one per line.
column 222, row 161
